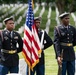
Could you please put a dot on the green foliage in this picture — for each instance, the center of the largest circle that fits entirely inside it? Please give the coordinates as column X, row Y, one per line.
column 66, row 5
column 69, row 5
column 51, row 66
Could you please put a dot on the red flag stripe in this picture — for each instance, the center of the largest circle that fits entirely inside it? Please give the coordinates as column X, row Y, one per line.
column 27, row 29
column 27, row 59
column 29, row 54
column 27, row 46
column 35, row 43
column 35, row 48
column 35, row 56
column 26, row 55
column 27, row 35
column 34, row 31
column 35, row 37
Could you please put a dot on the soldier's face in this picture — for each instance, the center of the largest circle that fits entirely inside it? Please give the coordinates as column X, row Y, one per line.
column 10, row 25
column 65, row 20
column 37, row 23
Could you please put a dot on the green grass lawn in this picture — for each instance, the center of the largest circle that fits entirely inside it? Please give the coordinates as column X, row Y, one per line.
column 50, row 61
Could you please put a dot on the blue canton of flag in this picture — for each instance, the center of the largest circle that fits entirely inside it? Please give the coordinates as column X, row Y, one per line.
column 30, row 16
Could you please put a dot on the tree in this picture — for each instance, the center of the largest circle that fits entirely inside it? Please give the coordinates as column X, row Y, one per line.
column 48, row 1
column 66, row 5
column 63, row 5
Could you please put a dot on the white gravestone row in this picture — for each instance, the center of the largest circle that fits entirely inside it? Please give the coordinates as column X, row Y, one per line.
column 48, row 21
column 36, row 9
column 74, row 17
column 57, row 15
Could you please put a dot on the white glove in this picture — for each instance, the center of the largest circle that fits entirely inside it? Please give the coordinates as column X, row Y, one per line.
column 39, row 55
column 42, row 47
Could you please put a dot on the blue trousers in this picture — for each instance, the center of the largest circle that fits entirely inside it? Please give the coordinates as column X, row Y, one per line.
column 5, row 70
column 68, row 67
column 39, row 69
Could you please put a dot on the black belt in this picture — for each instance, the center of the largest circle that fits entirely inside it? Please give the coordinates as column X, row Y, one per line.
column 8, row 51
column 66, row 44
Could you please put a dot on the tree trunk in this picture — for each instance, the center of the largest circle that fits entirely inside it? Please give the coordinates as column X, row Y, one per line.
column 47, row 1
column 39, row 1
column 66, row 5
column 60, row 5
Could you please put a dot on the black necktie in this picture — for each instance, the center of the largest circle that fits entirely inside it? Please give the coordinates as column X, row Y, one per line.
column 10, row 34
column 66, row 29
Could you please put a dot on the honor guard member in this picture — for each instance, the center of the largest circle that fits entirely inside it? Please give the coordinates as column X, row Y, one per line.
column 64, row 40
column 47, row 42
column 12, row 44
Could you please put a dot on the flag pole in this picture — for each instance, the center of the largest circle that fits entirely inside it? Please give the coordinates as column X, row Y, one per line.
column 29, row 73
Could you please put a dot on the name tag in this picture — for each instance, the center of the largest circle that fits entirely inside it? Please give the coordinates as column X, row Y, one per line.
column 16, row 37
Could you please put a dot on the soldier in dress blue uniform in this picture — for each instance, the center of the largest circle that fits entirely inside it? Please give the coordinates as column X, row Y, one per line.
column 47, row 42
column 11, row 45
column 64, row 40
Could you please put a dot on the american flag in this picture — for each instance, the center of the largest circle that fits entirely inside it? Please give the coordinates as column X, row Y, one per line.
column 31, row 46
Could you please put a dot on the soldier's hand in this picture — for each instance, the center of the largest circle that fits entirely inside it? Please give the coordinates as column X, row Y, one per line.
column 59, row 59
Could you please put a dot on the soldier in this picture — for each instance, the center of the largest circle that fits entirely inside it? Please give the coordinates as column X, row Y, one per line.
column 12, row 44
column 47, row 42
column 64, row 40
